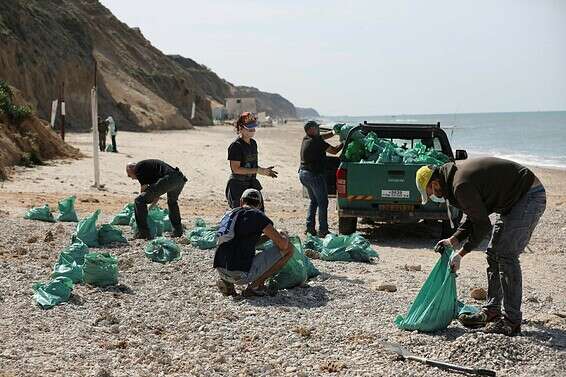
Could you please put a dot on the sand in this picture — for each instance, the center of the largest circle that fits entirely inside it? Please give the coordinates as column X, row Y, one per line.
column 168, row 317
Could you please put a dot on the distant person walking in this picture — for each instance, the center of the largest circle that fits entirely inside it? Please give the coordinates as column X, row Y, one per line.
column 102, row 131
column 113, row 131
column 243, row 157
column 156, row 178
column 312, row 175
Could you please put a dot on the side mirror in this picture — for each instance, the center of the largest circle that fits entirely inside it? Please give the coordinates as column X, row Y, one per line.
column 461, row 154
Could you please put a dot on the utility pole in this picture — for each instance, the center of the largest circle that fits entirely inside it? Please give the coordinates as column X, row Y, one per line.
column 94, row 113
column 62, row 101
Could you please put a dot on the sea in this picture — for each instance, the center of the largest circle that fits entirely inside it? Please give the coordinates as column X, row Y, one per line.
column 531, row 138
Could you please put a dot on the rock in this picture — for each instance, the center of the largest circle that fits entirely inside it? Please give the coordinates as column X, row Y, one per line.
column 312, row 254
column 303, row 331
column 49, row 237
column 103, row 373
column 478, row 293
column 386, row 287
column 32, row 239
column 410, row 267
column 332, row 366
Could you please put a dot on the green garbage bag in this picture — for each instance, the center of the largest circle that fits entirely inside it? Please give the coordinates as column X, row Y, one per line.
column 436, row 304
column 66, row 266
column 347, row 248
column 109, row 148
column 40, row 213
column 154, row 223
column 67, row 210
column 296, row 271
column 100, row 269
column 76, row 251
column 389, row 154
column 54, row 292
column 124, row 216
column 202, row 236
column 162, row 250
column 354, row 151
column 86, row 230
column 109, row 234
column 167, row 226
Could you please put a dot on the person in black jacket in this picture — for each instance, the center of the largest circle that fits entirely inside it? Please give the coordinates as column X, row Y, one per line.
column 312, row 175
column 156, row 178
column 244, row 165
column 480, row 187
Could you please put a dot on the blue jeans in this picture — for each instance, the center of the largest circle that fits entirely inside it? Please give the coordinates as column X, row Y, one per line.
column 511, row 235
column 318, row 195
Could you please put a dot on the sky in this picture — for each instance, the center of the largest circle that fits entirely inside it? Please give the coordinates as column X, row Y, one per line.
column 372, row 57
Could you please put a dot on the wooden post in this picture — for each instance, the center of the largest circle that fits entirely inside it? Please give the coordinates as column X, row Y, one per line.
column 94, row 114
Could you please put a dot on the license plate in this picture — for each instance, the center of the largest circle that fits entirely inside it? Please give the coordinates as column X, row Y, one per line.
column 397, row 194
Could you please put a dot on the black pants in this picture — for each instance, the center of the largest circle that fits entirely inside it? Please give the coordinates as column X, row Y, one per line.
column 235, row 188
column 102, row 141
column 114, row 148
column 172, row 184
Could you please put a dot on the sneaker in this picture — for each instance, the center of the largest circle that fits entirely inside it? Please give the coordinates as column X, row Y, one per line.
column 503, row 326
column 176, row 234
column 142, row 236
column 255, row 292
column 227, row 289
column 312, row 232
column 480, row 319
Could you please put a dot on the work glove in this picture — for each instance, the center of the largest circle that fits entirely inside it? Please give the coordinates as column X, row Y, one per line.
column 450, row 242
column 455, row 260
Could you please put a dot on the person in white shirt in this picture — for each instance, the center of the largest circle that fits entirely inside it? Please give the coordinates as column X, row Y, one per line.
column 113, row 131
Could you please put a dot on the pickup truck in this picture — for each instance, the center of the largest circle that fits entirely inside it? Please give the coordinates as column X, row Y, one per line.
column 386, row 192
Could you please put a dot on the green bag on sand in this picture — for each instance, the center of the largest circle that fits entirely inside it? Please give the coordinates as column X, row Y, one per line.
column 86, row 230
column 296, row 271
column 109, row 148
column 202, row 236
column 347, row 248
column 124, row 216
column 109, row 234
column 100, row 269
column 154, row 223
column 40, row 213
column 436, row 304
column 76, row 251
column 66, row 266
column 67, row 210
column 162, row 250
column 54, row 292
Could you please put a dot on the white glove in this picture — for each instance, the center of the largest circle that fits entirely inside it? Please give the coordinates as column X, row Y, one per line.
column 455, row 260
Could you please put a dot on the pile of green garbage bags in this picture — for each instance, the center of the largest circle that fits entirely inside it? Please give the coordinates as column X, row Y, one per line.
column 372, row 149
column 347, row 248
column 296, row 271
column 93, row 237
column 157, row 221
column 436, row 304
column 66, row 212
column 75, row 265
column 202, row 236
column 162, row 250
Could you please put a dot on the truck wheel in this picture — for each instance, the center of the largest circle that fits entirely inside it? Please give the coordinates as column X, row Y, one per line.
column 347, row 225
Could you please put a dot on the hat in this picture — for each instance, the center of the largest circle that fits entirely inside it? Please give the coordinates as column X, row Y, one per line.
column 311, row 124
column 422, row 179
column 246, row 119
column 252, row 194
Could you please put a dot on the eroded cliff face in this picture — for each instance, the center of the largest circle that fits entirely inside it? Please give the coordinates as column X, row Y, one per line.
column 45, row 43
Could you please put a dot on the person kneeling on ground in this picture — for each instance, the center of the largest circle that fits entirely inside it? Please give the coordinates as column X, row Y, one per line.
column 236, row 260
column 156, row 178
column 480, row 187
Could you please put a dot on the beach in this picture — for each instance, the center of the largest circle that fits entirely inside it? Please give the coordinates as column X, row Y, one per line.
column 171, row 320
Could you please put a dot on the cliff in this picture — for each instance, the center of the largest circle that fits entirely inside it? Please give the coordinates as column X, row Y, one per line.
column 307, row 113
column 46, row 43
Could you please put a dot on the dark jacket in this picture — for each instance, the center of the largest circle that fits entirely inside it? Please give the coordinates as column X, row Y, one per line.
column 482, row 186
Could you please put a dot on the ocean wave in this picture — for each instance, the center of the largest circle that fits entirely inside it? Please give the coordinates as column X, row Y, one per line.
column 525, row 159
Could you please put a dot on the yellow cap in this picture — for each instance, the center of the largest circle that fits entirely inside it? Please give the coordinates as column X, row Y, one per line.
column 422, row 178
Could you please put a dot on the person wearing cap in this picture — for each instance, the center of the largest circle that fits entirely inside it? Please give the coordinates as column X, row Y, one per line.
column 236, row 260
column 480, row 187
column 243, row 157
column 312, row 174
column 156, row 178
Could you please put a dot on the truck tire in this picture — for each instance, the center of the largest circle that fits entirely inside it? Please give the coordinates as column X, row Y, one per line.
column 347, row 225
